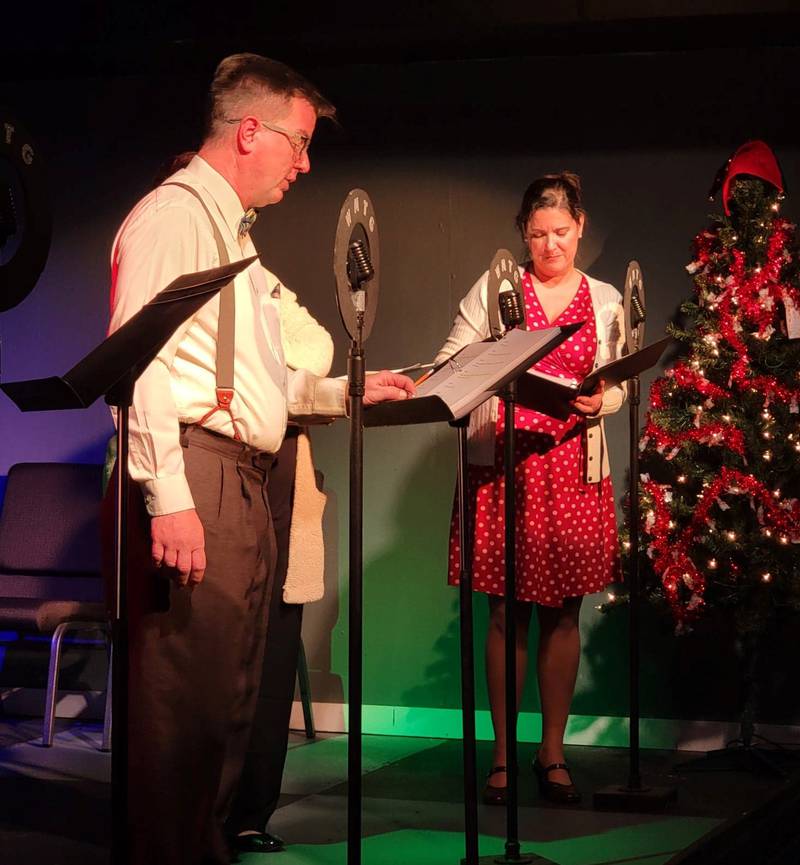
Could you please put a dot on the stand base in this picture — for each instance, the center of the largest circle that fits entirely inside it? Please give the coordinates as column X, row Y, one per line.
column 739, row 756
column 645, row 800
column 502, row 859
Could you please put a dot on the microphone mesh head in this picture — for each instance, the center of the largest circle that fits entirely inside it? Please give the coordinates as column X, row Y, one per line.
column 637, row 308
column 511, row 312
column 364, row 269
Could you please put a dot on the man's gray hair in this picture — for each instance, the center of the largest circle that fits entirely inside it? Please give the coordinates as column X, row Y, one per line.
column 242, row 79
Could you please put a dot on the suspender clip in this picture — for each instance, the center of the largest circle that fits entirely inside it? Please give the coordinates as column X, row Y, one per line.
column 224, row 399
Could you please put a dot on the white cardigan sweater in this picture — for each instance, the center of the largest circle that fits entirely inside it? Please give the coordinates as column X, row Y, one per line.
column 472, row 324
column 306, row 345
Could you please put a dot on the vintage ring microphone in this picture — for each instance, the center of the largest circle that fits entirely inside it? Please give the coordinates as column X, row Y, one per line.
column 356, row 259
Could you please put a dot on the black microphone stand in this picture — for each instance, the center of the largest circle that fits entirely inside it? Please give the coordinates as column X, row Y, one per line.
column 356, row 259
column 634, row 796
column 512, row 847
column 512, row 315
column 634, row 587
column 355, row 377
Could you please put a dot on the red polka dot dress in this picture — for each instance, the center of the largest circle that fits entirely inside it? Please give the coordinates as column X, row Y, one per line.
column 566, row 528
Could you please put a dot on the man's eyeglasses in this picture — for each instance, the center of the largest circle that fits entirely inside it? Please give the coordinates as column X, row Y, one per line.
column 299, row 142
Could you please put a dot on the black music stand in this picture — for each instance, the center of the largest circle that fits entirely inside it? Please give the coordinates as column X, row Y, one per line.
column 111, row 370
column 434, row 409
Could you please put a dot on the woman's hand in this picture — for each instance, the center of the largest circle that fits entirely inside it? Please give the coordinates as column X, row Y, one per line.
column 590, row 405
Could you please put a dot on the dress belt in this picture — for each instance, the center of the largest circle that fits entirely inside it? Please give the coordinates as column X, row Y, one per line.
column 193, row 435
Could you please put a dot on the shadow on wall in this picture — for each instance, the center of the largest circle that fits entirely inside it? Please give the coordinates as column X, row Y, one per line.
column 410, row 633
column 439, row 681
column 603, row 684
column 695, row 676
column 442, row 674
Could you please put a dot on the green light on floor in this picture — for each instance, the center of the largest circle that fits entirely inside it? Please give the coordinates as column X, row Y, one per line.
column 650, row 843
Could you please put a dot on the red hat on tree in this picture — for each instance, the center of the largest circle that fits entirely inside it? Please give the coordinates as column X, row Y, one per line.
column 753, row 158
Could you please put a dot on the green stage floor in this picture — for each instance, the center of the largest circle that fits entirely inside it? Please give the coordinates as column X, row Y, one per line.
column 55, row 810
column 412, row 812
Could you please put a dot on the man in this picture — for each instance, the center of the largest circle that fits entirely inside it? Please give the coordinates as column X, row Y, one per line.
column 200, row 451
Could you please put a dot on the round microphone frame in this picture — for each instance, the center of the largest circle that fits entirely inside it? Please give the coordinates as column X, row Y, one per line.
column 19, row 274
column 357, row 304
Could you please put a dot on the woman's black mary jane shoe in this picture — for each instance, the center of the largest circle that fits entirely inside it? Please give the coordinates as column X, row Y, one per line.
column 495, row 795
column 563, row 794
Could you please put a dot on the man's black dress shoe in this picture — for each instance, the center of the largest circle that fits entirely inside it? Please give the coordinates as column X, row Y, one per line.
column 258, row 842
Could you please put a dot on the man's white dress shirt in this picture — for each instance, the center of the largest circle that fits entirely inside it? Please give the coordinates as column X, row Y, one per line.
column 166, row 235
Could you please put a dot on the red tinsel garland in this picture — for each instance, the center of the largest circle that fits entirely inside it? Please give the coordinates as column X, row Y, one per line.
column 682, row 375
column 671, row 557
column 753, row 297
column 672, row 563
column 712, row 433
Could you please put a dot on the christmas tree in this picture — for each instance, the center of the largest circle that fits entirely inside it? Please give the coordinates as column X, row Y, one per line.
column 720, row 449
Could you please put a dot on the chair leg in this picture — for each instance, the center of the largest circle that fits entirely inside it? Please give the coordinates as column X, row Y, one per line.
column 48, row 722
column 105, row 745
column 52, row 684
column 305, row 692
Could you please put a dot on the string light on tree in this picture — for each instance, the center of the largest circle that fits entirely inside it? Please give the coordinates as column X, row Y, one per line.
column 721, row 435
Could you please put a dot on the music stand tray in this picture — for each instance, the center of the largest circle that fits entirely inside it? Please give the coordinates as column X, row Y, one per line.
column 473, row 375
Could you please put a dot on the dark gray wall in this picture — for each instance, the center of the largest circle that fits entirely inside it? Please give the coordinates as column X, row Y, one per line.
column 445, row 151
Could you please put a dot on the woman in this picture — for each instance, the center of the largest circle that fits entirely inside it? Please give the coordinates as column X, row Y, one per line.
column 566, row 526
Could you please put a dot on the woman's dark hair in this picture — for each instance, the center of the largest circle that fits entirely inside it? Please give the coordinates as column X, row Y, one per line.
column 551, row 190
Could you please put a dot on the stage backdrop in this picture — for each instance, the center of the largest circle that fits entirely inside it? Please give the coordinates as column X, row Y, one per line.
column 445, row 151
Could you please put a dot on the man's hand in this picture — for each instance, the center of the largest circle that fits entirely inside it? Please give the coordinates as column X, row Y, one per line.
column 385, row 386
column 590, row 405
column 178, row 543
